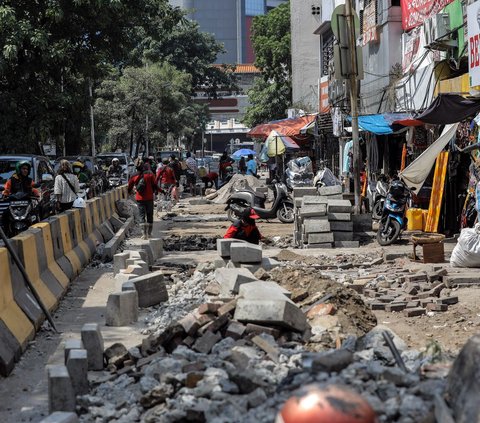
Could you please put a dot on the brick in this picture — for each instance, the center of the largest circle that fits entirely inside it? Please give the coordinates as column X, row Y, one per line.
column 386, row 298
column 437, row 307
column 331, row 190
column 61, row 417
column 93, row 342
column 271, row 350
column 190, row 324
column 339, row 206
column 395, row 307
column 72, row 344
column 343, row 236
column 319, row 210
column 231, row 279
column 425, row 301
column 122, row 308
column 216, row 324
column 314, row 238
column 312, row 225
column 151, row 289
column 437, row 275
column 377, row 306
column 322, row 245
column 369, row 292
column 414, row 312
column 419, row 277
column 61, row 396
column 263, row 290
column 342, row 217
column 410, row 289
column 189, row 341
column 252, row 328
column 77, row 365
column 303, row 191
column 192, row 379
column 413, row 304
column 235, row 330
column 209, row 308
column 277, row 312
column 223, row 246
column 245, row 253
column 227, row 308
column 314, row 200
column 446, row 300
column 206, row 342
column 346, row 244
column 337, row 226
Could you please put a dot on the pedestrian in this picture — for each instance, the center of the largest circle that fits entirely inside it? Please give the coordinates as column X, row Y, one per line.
column 242, row 166
column 177, row 168
column 166, row 176
column 210, row 180
column 143, row 184
column 225, row 161
column 66, row 187
column 251, row 166
column 245, row 227
column 191, row 172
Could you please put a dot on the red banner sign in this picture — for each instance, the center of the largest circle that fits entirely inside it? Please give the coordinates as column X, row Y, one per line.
column 414, row 12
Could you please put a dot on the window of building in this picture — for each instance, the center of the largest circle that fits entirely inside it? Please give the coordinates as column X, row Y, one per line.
column 327, row 51
column 254, row 7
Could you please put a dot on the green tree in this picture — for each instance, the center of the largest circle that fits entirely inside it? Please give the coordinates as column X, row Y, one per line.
column 160, row 93
column 271, row 94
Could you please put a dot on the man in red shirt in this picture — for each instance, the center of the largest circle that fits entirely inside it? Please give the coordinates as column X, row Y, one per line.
column 144, row 186
column 210, row 180
column 245, row 227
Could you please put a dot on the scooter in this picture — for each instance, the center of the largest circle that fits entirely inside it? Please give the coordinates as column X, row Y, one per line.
column 393, row 219
column 282, row 206
column 22, row 213
column 378, row 197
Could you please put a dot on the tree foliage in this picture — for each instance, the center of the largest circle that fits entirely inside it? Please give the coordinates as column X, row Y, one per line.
column 51, row 51
column 271, row 94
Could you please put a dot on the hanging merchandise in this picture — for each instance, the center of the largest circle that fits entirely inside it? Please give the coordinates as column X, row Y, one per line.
column 436, row 196
column 347, row 157
column 404, row 157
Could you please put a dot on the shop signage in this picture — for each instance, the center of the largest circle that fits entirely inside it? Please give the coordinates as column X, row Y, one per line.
column 415, row 12
column 369, row 23
column 473, row 26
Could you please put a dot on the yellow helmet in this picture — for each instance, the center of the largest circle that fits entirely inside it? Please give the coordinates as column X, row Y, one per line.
column 78, row 164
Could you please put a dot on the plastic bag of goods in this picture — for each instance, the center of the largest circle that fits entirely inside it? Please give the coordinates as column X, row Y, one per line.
column 467, row 251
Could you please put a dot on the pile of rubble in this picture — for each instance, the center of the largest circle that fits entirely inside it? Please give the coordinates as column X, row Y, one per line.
column 189, row 243
column 323, row 221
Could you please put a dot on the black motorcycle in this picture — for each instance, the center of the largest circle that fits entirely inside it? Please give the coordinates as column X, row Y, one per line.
column 282, row 206
column 21, row 214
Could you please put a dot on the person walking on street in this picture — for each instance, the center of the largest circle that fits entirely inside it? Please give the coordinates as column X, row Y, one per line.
column 166, row 176
column 251, row 166
column 211, row 180
column 143, row 184
column 242, row 166
column 225, row 161
column 191, row 172
column 66, row 186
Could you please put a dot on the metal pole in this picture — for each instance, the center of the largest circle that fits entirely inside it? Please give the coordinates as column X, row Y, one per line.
column 354, row 105
column 27, row 279
column 92, row 120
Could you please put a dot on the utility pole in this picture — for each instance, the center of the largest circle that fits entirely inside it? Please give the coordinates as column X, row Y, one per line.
column 354, row 104
column 92, row 120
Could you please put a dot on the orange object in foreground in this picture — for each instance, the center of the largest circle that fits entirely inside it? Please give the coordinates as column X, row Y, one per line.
column 332, row 404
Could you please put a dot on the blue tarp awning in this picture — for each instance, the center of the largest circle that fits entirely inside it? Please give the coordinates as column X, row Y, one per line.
column 381, row 124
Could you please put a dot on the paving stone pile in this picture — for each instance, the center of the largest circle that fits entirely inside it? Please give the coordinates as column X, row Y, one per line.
column 323, row 219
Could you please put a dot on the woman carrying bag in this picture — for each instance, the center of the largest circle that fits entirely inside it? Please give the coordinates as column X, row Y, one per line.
column 66, row 187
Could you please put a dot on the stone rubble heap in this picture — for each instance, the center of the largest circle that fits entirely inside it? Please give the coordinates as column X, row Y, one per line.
column 323, row 221
column 233, row 345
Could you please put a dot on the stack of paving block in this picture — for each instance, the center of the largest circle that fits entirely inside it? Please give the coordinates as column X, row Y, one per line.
column 324, row 221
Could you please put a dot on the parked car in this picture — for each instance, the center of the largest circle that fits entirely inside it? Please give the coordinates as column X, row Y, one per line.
column 125, row 161
column 43, row 176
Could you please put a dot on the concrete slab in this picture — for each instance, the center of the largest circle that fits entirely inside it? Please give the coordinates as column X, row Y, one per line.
column 231, row 279
column 263, row 290
column 151, row 289
column 245, row 253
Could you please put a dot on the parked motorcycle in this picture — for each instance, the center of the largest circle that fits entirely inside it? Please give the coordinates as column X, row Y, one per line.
column 393, row 219
column 378, row 197
column 22, row 213
column 282, row 206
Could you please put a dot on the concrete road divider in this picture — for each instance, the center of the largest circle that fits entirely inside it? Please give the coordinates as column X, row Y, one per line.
column 53, row 253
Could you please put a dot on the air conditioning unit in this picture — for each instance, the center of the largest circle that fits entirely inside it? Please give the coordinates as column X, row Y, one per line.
column 437, row 32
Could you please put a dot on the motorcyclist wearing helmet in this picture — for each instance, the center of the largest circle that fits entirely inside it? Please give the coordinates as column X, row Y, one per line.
column 245, row 228
column 20, row 181
column 115, row 169
column 79, row 170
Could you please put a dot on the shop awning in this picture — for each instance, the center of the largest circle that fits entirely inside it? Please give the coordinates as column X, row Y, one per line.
column 289, row 127
column 382, row 124
column 449, row 108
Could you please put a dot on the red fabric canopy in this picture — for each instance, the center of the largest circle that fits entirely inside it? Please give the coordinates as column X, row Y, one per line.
column 289, row 127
